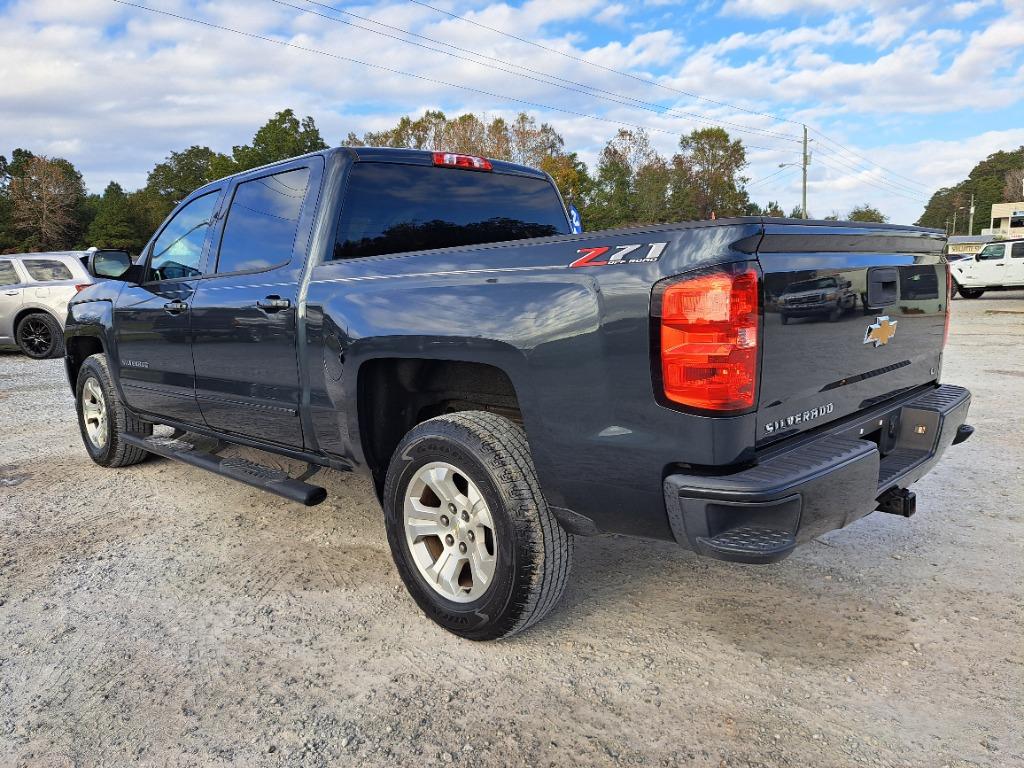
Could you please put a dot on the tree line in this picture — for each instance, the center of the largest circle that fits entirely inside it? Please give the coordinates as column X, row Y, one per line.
column 996, row 179
column 44, row 204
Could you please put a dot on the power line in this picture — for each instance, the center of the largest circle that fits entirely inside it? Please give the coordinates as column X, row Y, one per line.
column 581, row 60
column 869, row 161
column 393, row 71
column 786, row 171
column 875, row 184
column 897, row 186
column 570, row 85
column 648, row 81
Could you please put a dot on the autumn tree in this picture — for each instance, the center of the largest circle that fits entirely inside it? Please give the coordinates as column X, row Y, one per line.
column 1013, row 188
column 710, row 165
column 632, row 183
column 46, row 199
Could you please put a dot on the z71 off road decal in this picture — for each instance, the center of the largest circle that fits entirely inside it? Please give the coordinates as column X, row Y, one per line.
column 599, row 256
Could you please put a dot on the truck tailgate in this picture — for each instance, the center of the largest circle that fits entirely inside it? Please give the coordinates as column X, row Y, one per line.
column 853, row 315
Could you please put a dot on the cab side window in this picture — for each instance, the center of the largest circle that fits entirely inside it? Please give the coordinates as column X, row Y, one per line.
column 1017, row 252
column 992, row 252
column 47, row 270
column 7, row 274
column 178, row 251
column 260, row 229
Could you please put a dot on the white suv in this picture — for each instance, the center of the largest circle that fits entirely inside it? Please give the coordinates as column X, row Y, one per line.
column 998, row 267
column 34, row 293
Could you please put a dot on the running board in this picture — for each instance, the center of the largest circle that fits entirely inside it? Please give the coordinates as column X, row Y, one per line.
column 248, row 472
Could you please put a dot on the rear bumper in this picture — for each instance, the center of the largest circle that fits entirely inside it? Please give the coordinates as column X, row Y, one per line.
column 811, row 485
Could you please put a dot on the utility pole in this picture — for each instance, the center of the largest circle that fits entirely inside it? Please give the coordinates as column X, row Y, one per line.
column 806, row 161
column 955, row 210
column 970, row 227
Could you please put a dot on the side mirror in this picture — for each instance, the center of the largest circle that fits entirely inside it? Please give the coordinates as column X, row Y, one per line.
column 109, row 263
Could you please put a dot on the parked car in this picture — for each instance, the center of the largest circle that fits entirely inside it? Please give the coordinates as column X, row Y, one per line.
column 997, row 267
column 430, row 319
column 823, row 297
column 34, row 293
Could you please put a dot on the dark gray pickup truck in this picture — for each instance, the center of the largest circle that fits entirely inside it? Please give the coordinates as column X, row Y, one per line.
column 431, row 319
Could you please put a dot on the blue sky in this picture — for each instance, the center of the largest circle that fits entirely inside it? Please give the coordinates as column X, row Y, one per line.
column 902, row 96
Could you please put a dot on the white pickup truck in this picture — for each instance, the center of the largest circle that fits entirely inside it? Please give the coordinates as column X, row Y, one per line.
column 998, row 267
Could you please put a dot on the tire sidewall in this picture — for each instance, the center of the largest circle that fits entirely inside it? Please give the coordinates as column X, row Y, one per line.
column 90, row 370
column 475, row 619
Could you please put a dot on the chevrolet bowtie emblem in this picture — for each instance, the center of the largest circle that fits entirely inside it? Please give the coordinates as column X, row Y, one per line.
column 880, row 331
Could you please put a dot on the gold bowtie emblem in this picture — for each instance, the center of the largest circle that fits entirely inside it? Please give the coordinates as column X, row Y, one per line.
column 880, row 331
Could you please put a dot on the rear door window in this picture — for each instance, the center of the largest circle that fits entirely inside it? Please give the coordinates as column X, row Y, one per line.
column 7, row 274
column 394, row 208
column 1017, row 251
column 47, row 270
column 260, row 229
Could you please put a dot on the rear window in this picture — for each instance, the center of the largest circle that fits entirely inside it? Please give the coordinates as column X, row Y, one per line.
column 393, row 208
column 46, row 270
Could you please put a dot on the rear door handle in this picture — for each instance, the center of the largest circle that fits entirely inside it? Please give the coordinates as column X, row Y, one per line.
column 10, row 293
column 273, row 304
column 175, row 307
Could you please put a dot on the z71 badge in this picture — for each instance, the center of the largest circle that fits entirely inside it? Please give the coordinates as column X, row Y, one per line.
column 599, row 256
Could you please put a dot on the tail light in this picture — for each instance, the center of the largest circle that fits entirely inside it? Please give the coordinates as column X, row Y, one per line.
column 949, row 305
column 79, row 288
column 709, row 327
column 471, row 162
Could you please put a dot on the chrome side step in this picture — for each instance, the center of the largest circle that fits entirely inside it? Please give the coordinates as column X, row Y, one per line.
column 248, row 472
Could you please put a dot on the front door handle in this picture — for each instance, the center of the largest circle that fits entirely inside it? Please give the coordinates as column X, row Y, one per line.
column 273, row 304
column 175, row 307
column 10, row 293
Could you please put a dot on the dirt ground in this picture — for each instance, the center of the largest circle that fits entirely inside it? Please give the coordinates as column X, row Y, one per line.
column 159, row 615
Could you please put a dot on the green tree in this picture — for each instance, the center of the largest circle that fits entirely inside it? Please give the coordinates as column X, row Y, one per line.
column 710, row 164
column 283, row 136
column 986, row 181
column 867, row 212
column 631, row 186
column 118, row 223
column 177, row 177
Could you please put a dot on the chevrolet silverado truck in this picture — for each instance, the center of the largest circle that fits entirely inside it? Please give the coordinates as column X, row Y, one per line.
column 430, row 319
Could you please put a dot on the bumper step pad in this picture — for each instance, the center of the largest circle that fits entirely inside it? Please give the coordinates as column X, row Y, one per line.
column 749, row 544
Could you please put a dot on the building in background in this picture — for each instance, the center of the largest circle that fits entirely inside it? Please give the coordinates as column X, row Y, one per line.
column 968, row 245
column 1007, row 220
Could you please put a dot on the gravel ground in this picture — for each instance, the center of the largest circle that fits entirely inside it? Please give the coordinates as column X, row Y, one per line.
column 159, row 615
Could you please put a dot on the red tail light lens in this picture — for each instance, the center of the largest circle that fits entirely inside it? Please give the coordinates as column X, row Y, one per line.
column 949, row 305
column 709, row 325
column 472, row 162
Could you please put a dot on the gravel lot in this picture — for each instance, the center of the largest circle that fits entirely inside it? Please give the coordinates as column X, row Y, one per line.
column 159, row 615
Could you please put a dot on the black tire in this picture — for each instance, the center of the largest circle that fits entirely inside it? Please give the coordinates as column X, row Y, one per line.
column 533, row 554
column 40, row 336
column 970, row 293
column 835, row 314
column 113, row 452
column 785, row 319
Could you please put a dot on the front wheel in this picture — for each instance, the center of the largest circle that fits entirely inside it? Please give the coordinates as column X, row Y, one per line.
column 103, row 419
column 470, row 531
column 970, row 293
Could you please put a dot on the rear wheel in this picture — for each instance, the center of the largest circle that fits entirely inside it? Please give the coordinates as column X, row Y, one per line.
column 40, row 336
column 103, row 419
column 970, row 293
column 470, row 531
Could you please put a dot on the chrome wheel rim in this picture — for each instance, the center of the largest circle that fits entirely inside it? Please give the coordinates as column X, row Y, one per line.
column 36, row 336
column 450, row 532
column 94, row 413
